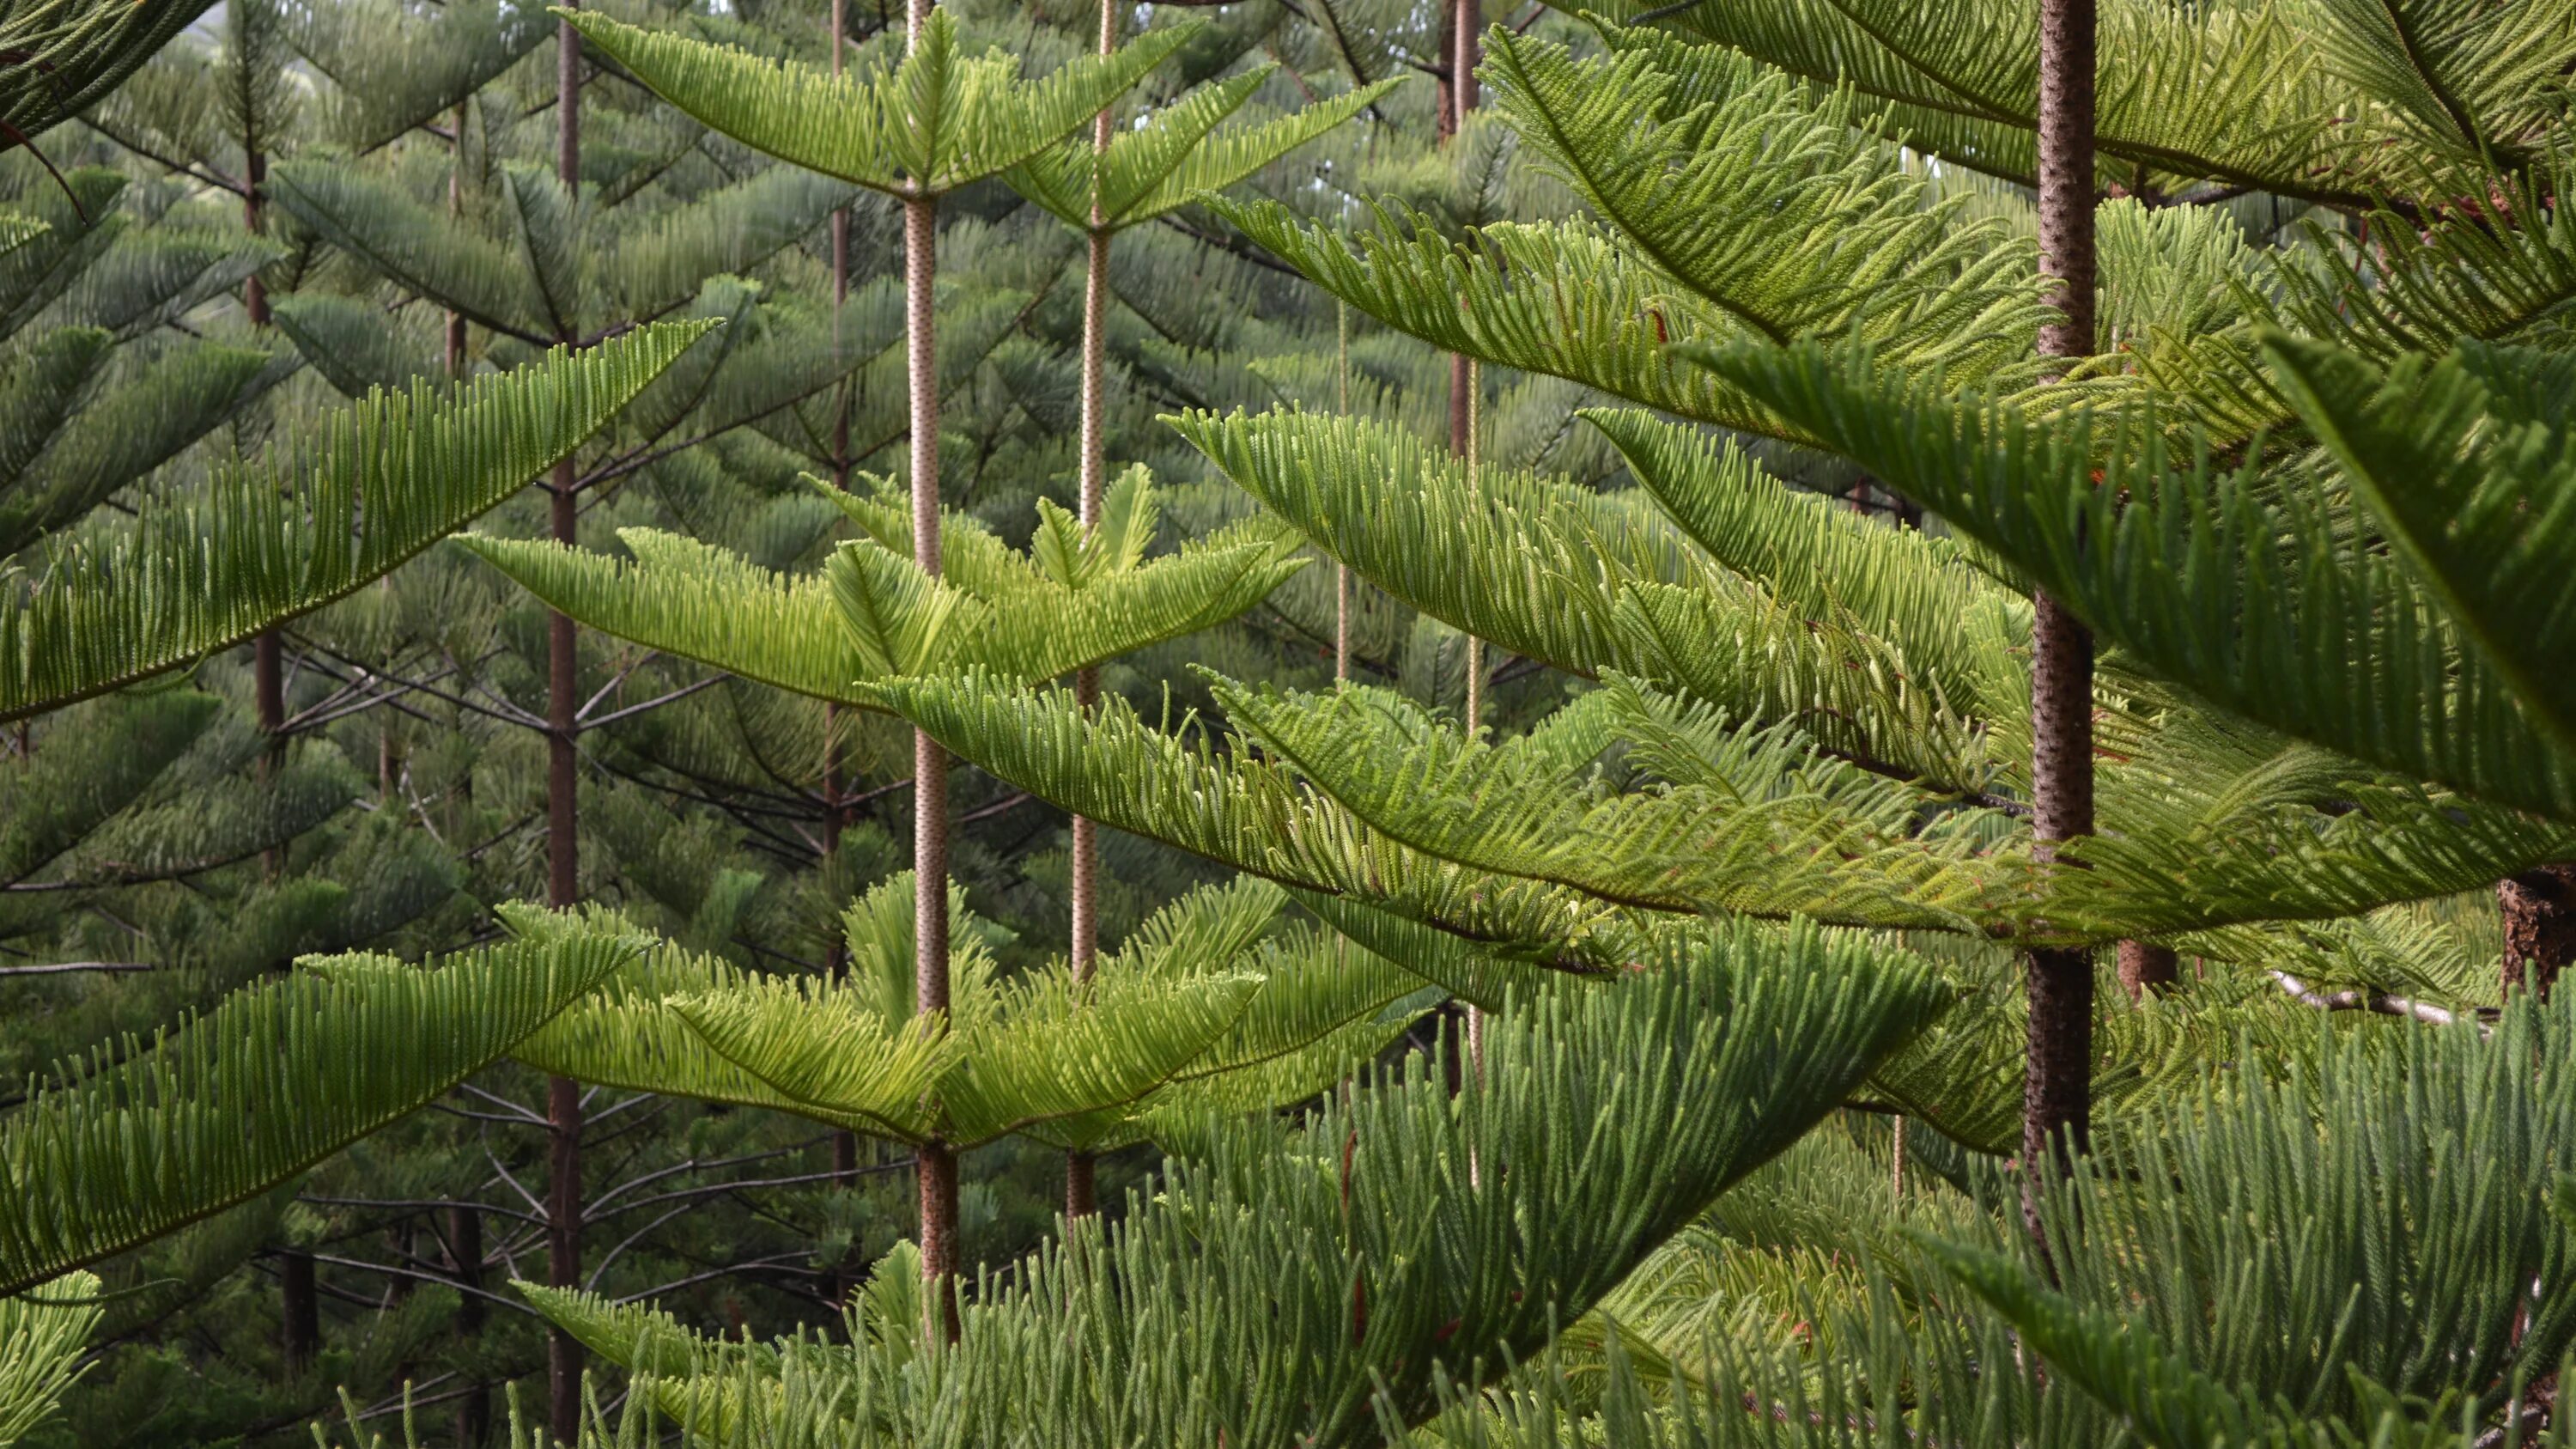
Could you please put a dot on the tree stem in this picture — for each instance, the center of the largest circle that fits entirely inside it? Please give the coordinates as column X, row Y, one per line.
column 2057, row 1082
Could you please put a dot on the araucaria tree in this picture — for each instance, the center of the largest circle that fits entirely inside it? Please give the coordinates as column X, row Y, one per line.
column 1945, row 626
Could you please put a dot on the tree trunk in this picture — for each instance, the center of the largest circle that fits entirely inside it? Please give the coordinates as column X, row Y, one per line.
column 1081, row 1189
column 564, row 1355
column 2057, row 1083
column 465, row 1257
column 2147, row 967
column 456, row 208
column 836, row 951
column 268, row 675
column 937, row 1165
column 1469, row 42
column 300, row 1335
column 2539, row 926
column 1444, row 103
column 1341, row 570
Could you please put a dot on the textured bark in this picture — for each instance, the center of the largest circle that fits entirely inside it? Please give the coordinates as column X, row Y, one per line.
column 2539, row 926
column 938, row 1176
column 938, row 1166
column 300, row 1332
column 1080, row 1188
column 2057, row 1088
column 465, row 1260
column 1081, row 1185
column 2145, row 967
column 1444, row 102
column 1466, row 36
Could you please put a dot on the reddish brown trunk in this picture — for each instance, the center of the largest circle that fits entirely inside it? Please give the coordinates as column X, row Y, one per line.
column 938, row 1167
column 2146, row 966
column 2057, row 1081
column 2539, row 926
column 465, row 1259
column 300, row 1333
column 1444, row 107
column 1080, row 1187
column 938, row 1178
column 254, row 176
column 1467, row 54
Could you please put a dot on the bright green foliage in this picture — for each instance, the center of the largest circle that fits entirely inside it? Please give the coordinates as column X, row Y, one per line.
column 2238, row 580
column 136, row 1143
column 42, row 1340
column 1196, row 995
column 1304, row 1289
column 1177, row 154
column 938, row 120
column 873, row 613
column 291, row 533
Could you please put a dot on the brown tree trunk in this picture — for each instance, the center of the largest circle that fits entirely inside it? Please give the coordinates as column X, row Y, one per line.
column 937, row 1169
column 2147, row 967
column 1081, row 1189
column 564, row 1354
column 300, row 1332
column 2057, row 1090
column 1444, row 104
column 465, row 1258
column 2539, row 927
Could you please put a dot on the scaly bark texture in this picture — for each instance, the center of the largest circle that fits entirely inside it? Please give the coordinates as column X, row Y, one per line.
column 1081, row 1192
column 938, row 1166
column 2146, row 967
column 2539, row 926
column 2057, row 1088
column 564, row 1355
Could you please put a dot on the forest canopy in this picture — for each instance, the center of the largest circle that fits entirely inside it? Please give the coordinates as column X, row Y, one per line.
column 1749, row 724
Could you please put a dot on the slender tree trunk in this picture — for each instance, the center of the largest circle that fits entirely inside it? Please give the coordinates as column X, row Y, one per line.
column 1465, row 380
column 1341, row 570
column 1081, row 1187
column 1469, row 43
column 836, row 952
column 300, row 1335
column 465, row 1256
column 2539, row 926
column 268, row 674
column 564, row 1355
column 2147, row 967
column 1444, row 103
column 254, row 176
column 937, row 1163
column 2057, row 1083
column 456, row 208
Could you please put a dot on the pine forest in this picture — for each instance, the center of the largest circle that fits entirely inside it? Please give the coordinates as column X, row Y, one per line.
column 1288, row 724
